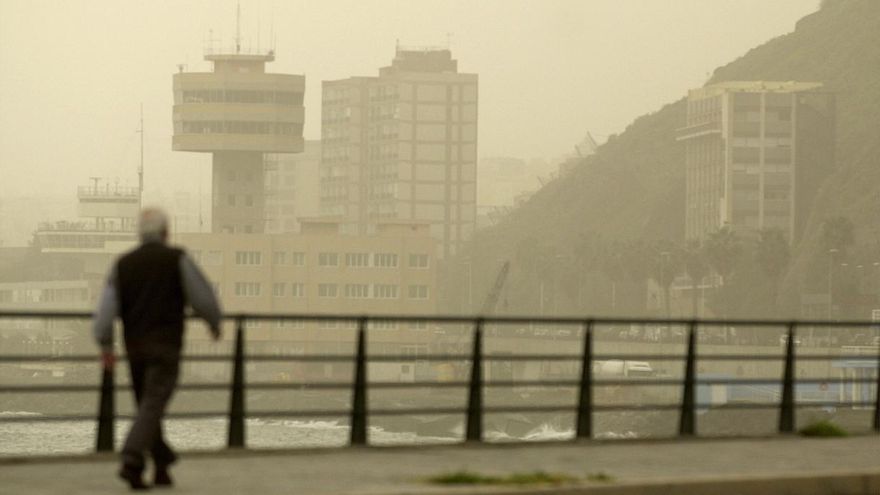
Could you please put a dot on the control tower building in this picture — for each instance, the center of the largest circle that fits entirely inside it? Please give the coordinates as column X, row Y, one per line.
column 237, row 113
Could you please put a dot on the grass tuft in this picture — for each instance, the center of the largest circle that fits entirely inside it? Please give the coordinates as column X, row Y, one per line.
column 823, row 428
column 463, row 478
column 471, row 478
column 600, row 477
column 538, row 477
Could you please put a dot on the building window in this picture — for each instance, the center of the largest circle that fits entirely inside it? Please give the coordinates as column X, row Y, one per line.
column 327, row 290
column 418, row 261
column 418, row 291
column 327, row 324
column 385, row 291
column 278, row 289
column 357, row 259
column 357, row 291
column 385, row 260
column 297, row 290
column 298, row 258
column 418, row 325
column 248, row 258
column 231, row 199
column 383, row 325
column 249, row 200
column 247, row 289
column 279, row 258
column 328, row 259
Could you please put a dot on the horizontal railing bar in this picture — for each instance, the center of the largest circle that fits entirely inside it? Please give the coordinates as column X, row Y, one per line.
column 439, row 411
column 19, row 389
column 427, row 385
column 298, row 414
column 92, row 358
column 312, row 358
column 470, row 319
column 458, row 357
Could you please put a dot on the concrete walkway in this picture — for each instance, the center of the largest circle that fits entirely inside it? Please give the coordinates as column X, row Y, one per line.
column 713, row 467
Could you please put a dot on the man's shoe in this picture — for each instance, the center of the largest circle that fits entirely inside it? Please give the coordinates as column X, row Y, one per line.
column 162, row 478
column 133, row 477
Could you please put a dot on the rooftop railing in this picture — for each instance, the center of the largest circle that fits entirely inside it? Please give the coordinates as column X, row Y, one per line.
column 359, row 414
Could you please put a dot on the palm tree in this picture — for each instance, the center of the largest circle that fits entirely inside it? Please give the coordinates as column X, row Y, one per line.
column 838, row 233
column 667, row 258
column 772, row 255
column 723, row 249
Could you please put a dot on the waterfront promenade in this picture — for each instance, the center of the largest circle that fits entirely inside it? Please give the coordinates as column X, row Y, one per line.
column 778, row 465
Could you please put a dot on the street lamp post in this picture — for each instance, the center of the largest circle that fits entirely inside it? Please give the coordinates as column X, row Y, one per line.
column 667, row 285
column 875, row 282
column 470, row 298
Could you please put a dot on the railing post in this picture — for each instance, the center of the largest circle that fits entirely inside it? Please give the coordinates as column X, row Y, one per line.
column 474, row 432
column 359, row 393
column 786, row 404
column 236, row 402
column 585, row 404
column 687, row 418
column 106, row 412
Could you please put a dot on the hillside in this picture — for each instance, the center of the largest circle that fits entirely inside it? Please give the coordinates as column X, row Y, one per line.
column 633, row 187
column 840, row 47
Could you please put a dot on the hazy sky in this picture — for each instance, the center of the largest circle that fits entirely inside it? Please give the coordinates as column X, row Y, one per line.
column 73, row 73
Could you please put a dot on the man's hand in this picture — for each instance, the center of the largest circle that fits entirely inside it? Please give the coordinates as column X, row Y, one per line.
column 108, row 359
column 215, row 334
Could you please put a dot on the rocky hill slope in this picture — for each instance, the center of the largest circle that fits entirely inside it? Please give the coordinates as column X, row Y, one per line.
column 633, row 187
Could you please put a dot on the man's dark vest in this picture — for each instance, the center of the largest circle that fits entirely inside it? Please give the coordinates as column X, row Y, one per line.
column 151, row 297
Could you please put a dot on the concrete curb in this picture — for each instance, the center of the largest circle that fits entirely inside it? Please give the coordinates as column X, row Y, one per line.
column 833, row 483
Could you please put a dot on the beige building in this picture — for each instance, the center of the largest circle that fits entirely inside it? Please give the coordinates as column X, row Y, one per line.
column 238, row 112
column 390, row 271
column 403, row 145
column 755, row 155
column 292, row 182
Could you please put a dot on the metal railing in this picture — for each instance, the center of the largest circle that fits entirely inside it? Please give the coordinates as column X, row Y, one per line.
column 474, row 411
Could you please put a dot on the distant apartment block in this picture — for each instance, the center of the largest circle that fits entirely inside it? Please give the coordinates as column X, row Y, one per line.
column 237, row 113
column 292, row 183
column 403, row 146
column 322, row 270
column 756, row 152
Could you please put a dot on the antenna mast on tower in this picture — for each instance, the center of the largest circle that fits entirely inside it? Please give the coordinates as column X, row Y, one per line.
column 238, row 28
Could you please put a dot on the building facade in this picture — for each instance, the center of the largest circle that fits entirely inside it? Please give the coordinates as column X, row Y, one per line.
column 237, row 113
column 321, row 270
column 292, row 182
column 755, row 155
column 403, row 146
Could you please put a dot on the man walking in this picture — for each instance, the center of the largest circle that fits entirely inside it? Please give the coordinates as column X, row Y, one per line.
column 148, row 288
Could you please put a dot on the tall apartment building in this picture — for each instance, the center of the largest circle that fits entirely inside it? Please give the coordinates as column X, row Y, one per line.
column 292, row 182
column 403, row 145
column 237, row 113
column 756, row 152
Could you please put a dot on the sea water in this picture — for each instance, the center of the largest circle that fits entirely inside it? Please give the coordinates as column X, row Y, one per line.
column 24, row 437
